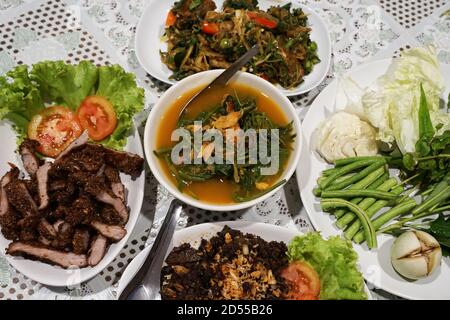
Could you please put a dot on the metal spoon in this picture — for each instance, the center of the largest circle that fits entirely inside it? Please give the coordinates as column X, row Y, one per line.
column 225, row 76
column 146, row 284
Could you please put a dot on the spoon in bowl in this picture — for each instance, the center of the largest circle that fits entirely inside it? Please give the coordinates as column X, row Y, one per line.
column 225, row 76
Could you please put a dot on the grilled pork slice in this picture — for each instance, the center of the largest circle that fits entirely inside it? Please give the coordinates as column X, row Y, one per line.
column 42, row 180
column 45, row 254
column 117, row 187
column 79, row 142
column 102, row 194
column 13, row 174
column 27, row 152
column 46, row 230
column 125, row 162
column 97, row 250
column 112, row 232
column 19, row 197
column 80, row 241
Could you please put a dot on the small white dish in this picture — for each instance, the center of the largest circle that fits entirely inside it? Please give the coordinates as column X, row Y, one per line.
column 149, row 43
column 53, row 275
column 203, row 79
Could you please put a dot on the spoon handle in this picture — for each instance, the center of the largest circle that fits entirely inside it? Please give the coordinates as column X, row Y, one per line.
column 145, row 285
column 223, row 78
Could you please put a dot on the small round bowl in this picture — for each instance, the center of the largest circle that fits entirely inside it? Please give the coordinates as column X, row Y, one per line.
column 202, row 79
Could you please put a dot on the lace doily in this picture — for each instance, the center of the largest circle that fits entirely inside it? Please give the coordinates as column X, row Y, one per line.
column 103, row 31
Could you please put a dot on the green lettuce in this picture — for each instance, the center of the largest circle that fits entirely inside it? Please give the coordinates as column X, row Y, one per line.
column 335, row 262
column 393, row 104
column 127, row 99
column 64, row 83
column 23, row 93
column 20, row 99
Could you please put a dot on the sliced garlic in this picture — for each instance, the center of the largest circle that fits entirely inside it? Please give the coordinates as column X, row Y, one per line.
column 416, row 254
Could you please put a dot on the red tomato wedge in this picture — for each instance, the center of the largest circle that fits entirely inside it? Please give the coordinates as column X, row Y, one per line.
column 262, row 20
column 171, row 19
column 210, row 28
column 54, row 128
column 303, row 280
column 96, row 114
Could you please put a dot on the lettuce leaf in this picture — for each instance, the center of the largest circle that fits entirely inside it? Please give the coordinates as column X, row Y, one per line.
column 119, row 87
column 20, row 99
column 65, row 83
column 392, row 106
column 335, row 262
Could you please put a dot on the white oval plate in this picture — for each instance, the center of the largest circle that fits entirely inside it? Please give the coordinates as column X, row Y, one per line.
column 149, row 32
column 57, row 276
column 376, row 264
column 194, row 235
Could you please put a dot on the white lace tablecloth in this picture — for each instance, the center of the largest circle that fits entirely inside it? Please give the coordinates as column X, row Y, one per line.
column 103, row 31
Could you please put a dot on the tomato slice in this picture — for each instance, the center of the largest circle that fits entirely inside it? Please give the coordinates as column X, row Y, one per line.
column 303, row 280
column 96, row 114
column 262, row 20
column 171, row 19
column 54, row 128
column 210, row 27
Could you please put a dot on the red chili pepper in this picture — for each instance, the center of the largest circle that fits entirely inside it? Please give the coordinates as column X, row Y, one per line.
column 261, row 20
column 171, row 19
column 210, row 27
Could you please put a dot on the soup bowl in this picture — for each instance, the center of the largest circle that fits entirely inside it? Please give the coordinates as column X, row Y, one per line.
column 199, row 80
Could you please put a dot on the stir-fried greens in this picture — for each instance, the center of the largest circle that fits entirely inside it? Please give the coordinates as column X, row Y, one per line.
column 201, row 39
column 232, row 114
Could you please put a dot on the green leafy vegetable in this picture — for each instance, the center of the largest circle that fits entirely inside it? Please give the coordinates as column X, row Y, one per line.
column 20, row 99
column 65, row 83
column 194, row 4
column 23, row 93
column 120, row 88
column 335, row 262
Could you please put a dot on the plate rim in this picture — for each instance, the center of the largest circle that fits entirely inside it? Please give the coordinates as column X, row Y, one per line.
column 287, row 92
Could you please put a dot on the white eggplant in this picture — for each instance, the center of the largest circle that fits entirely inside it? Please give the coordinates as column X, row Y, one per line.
column 416, row 254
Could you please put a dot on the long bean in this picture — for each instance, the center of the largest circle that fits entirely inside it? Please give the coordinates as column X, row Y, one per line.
column 405, row 206
column 369, row 230
column 373, row 186
column 393, row 213
column 374, row 207
column 353, row 193
column 365, row 204
column 432, row 200
column 345, row 161
column 347, row 169
column 338, row 180
column 355, row 178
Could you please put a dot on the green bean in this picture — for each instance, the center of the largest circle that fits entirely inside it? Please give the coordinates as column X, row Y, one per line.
column 360, row 175
column 374, row 185
column 393, row 213
column 431, row 200
column 338, row 180
column 353, row 193
column 317, row 192
column 344, row 170
column 361, row 214
column 365, row 204
column 330, row 171
column 345, row 161
column 374, row 207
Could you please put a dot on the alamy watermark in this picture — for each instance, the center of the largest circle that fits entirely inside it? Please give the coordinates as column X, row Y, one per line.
column 229, row 146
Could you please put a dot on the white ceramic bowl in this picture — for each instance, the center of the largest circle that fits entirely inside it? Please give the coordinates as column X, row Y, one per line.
column 195, row 81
